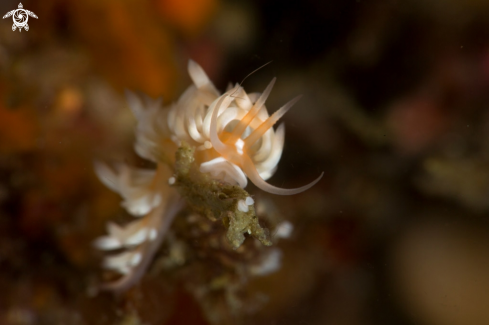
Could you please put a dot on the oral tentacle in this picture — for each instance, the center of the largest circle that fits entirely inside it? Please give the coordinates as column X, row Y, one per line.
column 255, row 178
column 243, row 124
column 265, row 126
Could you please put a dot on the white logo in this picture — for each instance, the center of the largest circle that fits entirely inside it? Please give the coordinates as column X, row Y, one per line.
column 20, row 17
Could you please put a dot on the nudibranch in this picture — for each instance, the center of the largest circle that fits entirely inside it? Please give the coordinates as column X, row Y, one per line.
column 233, row 132
column 234, row 139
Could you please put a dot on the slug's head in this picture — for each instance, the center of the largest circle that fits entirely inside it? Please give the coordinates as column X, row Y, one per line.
column 238, row 151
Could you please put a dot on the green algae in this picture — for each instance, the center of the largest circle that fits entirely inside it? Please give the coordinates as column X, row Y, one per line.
column 216, row 200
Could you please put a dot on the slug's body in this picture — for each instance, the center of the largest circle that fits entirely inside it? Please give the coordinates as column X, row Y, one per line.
column 233, row 130
column 235, row 141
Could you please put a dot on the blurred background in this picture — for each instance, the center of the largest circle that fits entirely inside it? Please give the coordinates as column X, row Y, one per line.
column 395, row 112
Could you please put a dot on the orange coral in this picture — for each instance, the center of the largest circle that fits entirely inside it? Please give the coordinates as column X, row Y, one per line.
column 189, row 16
column 18, row 130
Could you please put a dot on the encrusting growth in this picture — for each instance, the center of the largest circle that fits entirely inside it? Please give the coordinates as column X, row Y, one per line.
column 205, row 147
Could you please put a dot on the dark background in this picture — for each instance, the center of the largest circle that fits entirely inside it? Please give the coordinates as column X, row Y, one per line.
column 395, row 112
